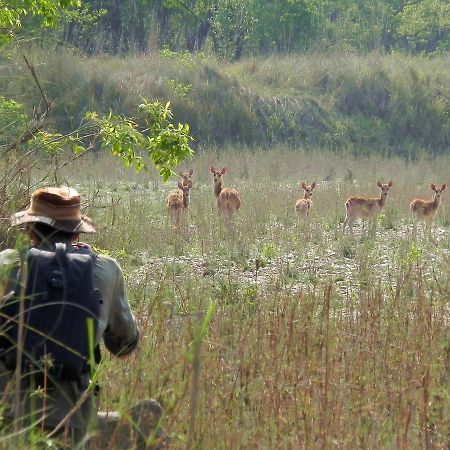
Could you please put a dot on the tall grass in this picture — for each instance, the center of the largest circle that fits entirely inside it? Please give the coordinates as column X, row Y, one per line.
column 394, row 104
column 328, row 341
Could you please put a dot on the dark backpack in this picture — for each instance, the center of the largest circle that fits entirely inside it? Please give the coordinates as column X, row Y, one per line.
column 59, row 302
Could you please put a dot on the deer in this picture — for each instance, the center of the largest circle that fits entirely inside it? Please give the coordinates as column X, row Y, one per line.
column 177, row 201
column 304, row 205
column 366, row 207
column 426, row 209
column 228, row 201
column 187, row 178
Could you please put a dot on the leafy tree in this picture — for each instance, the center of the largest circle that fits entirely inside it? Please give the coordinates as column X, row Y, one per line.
column 426, row 25
column 232, row 26
column 165, row 144
column 284, row 26
column 13, row 13
column 194, row 18
column 112, row 26
column 262, row 26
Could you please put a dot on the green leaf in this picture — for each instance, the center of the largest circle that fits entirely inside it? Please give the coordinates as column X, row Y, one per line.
column 163, row 144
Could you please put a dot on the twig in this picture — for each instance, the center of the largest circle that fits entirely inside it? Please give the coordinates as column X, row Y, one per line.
column 38, row 116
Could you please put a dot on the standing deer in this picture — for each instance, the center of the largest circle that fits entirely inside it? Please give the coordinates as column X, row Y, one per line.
column 366, row 207
column 228, row 201
column 304, row 205
column 426, row 209
column 177, row 201
column 187, row 178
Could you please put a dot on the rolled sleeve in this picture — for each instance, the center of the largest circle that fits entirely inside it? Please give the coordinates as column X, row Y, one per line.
column 121, row 334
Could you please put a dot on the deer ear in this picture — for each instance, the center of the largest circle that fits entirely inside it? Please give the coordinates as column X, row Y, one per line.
column 379, row 184
column 433, row 187
column 224, row 169
column 390, row 184
column 191, row 172
column 212, row 169
column 303, row 185
column 313, row 185
column 180, row 185
column 443, row 187
column 181, row 174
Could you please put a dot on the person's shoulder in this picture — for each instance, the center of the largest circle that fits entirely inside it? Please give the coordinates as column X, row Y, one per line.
column 106, row 259
column 104, row 265
column 108, row 264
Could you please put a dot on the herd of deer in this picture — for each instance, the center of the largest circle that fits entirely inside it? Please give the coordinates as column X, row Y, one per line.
column 228, row 201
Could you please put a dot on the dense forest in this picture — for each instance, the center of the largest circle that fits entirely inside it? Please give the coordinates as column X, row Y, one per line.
column 237, row 28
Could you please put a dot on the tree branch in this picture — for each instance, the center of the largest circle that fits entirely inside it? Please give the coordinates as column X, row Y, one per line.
column 39, row 115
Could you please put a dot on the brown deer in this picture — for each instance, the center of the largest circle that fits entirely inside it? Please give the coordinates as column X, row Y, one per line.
column 187, row 178
column 426, row 209
column 366, row 207
column 228, row 201
column 177, row 202
column 304, row 205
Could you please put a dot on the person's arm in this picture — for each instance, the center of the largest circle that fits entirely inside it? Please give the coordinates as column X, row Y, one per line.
column 121, row 335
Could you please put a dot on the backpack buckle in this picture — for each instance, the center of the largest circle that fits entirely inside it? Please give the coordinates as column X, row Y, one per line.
column 57, row 280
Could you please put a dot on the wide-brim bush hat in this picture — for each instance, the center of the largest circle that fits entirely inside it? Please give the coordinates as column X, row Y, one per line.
column 58, row 207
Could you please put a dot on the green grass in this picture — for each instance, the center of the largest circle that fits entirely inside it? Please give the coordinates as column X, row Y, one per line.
column 391, row 104
column 335, row 341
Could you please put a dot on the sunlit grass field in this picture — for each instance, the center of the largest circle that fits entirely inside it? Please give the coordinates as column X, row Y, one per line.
column 279, row 335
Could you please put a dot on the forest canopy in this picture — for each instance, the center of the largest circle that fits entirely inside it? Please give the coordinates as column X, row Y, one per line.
column 236, row 28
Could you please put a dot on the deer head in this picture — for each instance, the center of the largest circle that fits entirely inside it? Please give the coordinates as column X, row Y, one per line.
column 186, row 193
column 438, row 191
column 217, row 173
column 308, row 188
column 385, row 187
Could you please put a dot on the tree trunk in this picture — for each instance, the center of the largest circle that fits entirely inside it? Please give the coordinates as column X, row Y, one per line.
column 239, row 44
column 163, row 20
column 115, row 22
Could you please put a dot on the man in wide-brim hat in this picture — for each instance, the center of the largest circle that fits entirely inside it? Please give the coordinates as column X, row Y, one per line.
column 54, row 216
column 57, row 207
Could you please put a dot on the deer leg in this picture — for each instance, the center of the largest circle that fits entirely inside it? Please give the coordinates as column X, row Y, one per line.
column 344, row 225
column 227, row 217
column 350, row 225
column 428, row 227
column 372, row 225
column 172, row 216
column 414, row 230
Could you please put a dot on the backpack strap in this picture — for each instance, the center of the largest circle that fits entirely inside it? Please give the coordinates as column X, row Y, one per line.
column 60, row 251
column 86, row 249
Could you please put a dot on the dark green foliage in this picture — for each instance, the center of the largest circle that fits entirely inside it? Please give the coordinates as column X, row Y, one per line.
column 46, row 13
column 236, row 28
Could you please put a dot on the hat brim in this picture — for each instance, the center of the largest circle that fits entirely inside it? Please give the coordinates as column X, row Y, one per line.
column 85, row 225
